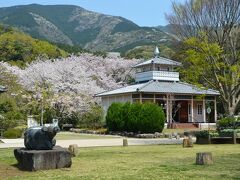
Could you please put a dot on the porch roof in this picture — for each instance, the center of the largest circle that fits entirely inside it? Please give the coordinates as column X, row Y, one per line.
column 161, row 87
column 159, row 60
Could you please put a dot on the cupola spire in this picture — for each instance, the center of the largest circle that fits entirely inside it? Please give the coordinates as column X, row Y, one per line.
column 156, row 52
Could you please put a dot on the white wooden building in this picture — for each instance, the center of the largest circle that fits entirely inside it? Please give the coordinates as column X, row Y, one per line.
column 158, row 82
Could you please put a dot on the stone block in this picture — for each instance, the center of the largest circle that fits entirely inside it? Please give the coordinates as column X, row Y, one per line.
column 187, row 142
column 33, row 160
column 204, row 158
column 73, row 148
column 125, row 142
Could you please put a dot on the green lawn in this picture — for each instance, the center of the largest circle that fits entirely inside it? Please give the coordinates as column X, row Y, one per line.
column 136, row 162
column 72, row 136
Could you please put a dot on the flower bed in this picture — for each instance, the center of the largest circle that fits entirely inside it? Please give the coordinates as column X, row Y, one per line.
column 218, row 137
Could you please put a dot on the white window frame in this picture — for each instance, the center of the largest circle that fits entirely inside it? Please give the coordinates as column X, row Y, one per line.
column 199, row 109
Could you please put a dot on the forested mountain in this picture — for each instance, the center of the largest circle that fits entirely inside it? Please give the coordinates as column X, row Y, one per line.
column 73, row 25
column 19, row 48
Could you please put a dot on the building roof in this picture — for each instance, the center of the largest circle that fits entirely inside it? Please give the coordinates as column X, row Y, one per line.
column 161, row 87
column 2, row 88
column 159, row 60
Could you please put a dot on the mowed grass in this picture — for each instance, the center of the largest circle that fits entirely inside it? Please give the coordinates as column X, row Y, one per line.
column 136, row 162
column 74, row 136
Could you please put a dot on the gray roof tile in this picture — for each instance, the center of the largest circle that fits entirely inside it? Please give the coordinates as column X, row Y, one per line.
column 161, row 87
column 159, row 60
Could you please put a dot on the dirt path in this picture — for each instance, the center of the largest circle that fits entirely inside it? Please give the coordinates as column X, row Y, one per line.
column 8, row 143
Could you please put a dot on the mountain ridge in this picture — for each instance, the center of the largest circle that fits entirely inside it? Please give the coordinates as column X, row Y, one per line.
column 74, row 25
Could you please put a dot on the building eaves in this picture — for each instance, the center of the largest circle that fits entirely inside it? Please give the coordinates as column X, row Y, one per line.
column 161, row 87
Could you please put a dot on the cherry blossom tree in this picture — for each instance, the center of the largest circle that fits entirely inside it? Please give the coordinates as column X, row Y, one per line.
column 75, row 80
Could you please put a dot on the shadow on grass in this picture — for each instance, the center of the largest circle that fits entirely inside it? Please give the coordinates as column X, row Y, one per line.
column 7, row 171
column 16, row 166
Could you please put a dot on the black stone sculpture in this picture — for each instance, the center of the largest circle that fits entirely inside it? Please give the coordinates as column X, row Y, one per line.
column 40, row 138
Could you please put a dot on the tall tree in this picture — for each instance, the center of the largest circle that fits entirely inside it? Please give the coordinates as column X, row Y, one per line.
column 73, row 80
column 211, row 29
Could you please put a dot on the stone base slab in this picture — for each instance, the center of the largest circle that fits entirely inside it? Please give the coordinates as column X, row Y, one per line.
column 33, row 160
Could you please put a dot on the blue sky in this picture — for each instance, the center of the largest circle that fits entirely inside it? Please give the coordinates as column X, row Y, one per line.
column 142, row 12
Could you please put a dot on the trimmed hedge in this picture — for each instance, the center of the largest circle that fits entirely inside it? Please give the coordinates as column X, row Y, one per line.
column 114, row 120
column 228, row 123
column 228, row 132
column 13, row 133
column 136, row 117
column 16, row 132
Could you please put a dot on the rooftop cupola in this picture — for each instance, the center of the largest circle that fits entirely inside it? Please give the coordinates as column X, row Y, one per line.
column 157, row 68
column 156, row 52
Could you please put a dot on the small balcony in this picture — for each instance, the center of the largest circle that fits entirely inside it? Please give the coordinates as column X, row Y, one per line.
column 157, row 75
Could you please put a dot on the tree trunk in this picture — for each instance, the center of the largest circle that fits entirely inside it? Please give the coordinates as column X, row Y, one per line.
column 230, row 108
column 234, row 137
column 204, row 158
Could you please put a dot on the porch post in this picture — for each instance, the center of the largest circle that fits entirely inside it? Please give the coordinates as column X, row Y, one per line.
column 108, row 101
column 154, row 98
column 192, row 120
column 204, row 110
column 215, row 109
column 167, row 110
column 140, row 98
column 170, row 108
column 131, row 98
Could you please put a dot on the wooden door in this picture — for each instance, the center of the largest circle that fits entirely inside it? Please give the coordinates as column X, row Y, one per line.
column 183, row 113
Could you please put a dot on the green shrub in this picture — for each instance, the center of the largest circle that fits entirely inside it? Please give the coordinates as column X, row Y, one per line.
column 228, row 132
column 114, row 120
column 151, row 118
column 125, row 115
column 133, row 124
column 202, row 134
column 92, row 119
column 144, row 118
column 10, row 113
column 228, row 122
column 214, row 134
column 13, row 133
column 205, row 133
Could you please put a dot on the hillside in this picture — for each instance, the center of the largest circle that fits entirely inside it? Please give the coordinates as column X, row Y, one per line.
column 19, row 49
column 73, row 25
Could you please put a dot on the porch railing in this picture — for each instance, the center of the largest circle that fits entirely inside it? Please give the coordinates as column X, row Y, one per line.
column 157, row 75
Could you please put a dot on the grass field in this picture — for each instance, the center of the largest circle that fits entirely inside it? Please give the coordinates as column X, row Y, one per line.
column 73, row 136
column 136, row 162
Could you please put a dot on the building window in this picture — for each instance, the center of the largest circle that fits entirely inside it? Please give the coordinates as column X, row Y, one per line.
column 199, row 108
column 135, row 95
column 147, row 95
column 159, row 96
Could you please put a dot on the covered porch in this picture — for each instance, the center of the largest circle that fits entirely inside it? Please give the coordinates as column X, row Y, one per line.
column 182, row 108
